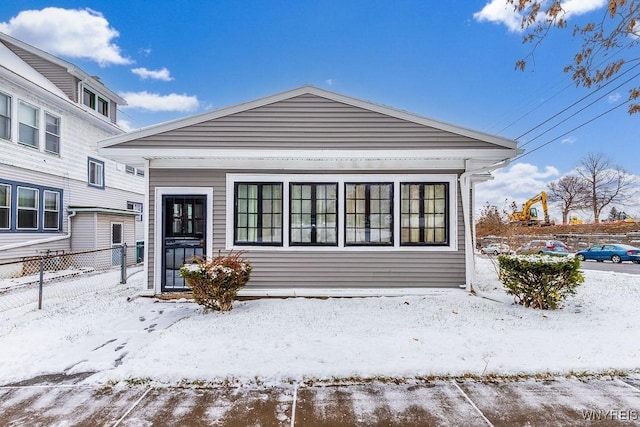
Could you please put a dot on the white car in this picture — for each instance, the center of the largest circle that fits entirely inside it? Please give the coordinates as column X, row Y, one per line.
column 495, row 249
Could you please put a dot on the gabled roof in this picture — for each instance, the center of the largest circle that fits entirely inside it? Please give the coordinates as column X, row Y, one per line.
column 305, row 90
column 69, row 67
column 17, row 66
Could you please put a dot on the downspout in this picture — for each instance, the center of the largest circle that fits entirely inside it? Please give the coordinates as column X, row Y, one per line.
column 465, row 189
column 40, row 241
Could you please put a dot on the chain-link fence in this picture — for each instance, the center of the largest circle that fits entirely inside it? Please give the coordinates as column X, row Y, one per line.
column 33, row 280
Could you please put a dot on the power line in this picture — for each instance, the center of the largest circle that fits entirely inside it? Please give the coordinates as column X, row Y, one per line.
column 604, row 60
column 568, row 132
column 579, row 111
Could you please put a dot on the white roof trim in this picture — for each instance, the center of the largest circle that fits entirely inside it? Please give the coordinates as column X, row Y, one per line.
column 311, row 90
column 71, row 69
column 110, row 211
column 306, row 159
column 199, row 153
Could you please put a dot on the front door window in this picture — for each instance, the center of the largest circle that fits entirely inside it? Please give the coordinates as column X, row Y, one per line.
column 183, row 236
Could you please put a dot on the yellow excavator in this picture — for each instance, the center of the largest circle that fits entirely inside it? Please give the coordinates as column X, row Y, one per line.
column 529, row 215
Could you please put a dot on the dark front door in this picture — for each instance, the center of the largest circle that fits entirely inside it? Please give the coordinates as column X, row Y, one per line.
column 183, row 236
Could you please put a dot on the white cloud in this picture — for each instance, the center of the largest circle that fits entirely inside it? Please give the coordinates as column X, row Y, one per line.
column 522, row 181
column 568, row 140
column 614, row 97
column 125, row 125
column 161, row 74
column 498, row 12
column 73, row 33
column 518, row 183
column 156, row 102
column 329, row 82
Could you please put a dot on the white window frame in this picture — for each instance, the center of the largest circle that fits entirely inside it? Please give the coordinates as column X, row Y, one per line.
column 47, row 132
column 341, row 179
column 7, row 206
column 136, row 206
column 45, row 210
column 97, row 97
column 121, row 224
column 9, row 100
column 36, row 209
column 101, row 175
column 36, row 110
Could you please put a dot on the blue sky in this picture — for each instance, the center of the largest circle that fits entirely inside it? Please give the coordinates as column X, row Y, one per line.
column 453, row 62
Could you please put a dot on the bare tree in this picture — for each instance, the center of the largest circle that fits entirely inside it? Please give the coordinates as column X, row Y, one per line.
column 606, row 183
column 492, row 221
column 570, row 192
column 608, row 44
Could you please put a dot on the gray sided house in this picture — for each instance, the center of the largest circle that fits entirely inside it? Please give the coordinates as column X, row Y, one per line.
column 325, row 194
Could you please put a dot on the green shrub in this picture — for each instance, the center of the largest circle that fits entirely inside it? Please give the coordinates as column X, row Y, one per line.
column 540, row 281
column 215, row 282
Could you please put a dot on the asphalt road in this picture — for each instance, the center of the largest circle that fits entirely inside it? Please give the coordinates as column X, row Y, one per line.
column 624, row 267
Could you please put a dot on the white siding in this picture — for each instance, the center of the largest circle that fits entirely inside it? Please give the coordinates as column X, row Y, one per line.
column 66, row 171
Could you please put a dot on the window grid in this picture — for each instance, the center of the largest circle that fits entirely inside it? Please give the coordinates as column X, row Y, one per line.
column 5, row 207
column 51, row 210
column 27, row 208
column 5, row 116
column 28, row 125
column 52, row 134
column 258, row 214
column 368, row 214
column 313, row 214
column 424, row 214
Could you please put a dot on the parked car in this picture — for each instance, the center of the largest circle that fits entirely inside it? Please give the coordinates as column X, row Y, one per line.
column 613, row 252
column 544, row 247
column 496, row 249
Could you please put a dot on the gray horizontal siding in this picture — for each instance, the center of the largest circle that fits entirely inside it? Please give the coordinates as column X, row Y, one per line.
column 309, row 122
column 84, row 232
column 312, row 269
column 58, row 75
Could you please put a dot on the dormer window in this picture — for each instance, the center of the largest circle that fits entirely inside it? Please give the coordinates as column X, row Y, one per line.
column 95, row 101
column 89, row 99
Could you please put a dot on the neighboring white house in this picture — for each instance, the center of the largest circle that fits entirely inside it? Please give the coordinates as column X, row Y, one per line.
column 56, row 192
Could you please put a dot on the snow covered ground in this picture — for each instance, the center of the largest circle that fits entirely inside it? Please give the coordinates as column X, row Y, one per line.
column 445, row 333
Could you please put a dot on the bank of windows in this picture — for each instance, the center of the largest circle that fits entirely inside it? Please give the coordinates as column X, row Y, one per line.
column 131, row 170
column 34, row 209
column 368, row 214
column 95, row 173
column 30, row 131
column 96, row 102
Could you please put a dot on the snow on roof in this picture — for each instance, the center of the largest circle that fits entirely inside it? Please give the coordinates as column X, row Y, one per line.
column 13, row 63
